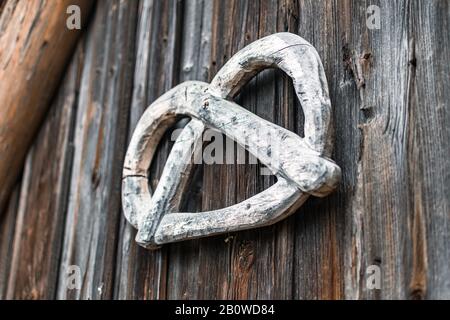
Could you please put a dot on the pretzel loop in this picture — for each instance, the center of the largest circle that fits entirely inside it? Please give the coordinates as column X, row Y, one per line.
column 302, row 166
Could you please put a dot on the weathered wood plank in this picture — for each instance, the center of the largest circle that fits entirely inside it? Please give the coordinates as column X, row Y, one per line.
column 319, row 225
column 376, row 90
column 211, row 279
column 142, row 274
column 2, row 5
column 7, row 227
column 262, row 260
column 184, row 264
column 90, row 236
column 390, row 92
column 234, row 256
column 44, row 195
column 428, row 151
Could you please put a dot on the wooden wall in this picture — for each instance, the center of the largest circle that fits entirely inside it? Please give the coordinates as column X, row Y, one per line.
column 390, row 93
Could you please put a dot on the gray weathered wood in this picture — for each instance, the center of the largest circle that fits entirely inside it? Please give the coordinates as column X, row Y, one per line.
column 44, row 195
column 158, row 41
column 90, row 235
column 390, row 92
column 7, row 227
column 183, row 270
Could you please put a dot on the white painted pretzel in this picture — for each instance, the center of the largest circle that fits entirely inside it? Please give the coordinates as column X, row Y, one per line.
column 302, row 166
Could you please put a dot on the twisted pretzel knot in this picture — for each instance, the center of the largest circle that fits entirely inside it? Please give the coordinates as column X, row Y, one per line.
column 302, row 166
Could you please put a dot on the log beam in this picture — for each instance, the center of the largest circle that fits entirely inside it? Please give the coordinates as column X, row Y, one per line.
column 35, row 46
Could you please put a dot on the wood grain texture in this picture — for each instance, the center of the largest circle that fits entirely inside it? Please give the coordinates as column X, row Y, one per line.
column 90, row 235
column 158, row 45
column 44, row 195
column 246, row 262
column 427, row 152
column 35, row 48
column 379, row 207
column 7, row 226
column 2, row 6
column 390, row 93
column 185, row 259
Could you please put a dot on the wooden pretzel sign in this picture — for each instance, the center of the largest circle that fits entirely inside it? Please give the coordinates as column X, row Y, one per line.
column 302, row 165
